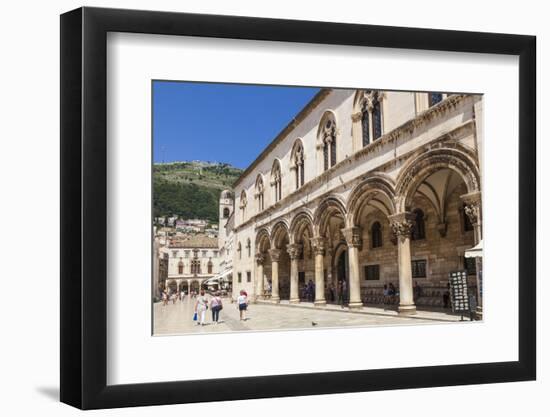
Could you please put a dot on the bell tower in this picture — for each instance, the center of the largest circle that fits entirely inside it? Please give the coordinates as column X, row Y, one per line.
column 227, row 205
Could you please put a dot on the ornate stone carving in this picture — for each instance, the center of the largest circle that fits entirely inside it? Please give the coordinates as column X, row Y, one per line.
column 402, row 224
column 402, row 228
column 294, row 251
column 318, row 245
column 353, row 237
column 275, row 254
column 356, row 117
column 472, row 211
column 260, row 258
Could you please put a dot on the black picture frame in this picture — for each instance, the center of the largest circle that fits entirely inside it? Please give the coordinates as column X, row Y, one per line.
column 84, row 207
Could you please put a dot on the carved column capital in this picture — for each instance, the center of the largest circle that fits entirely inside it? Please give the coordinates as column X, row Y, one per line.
column 472, row 211
column 402, row 224
column 275, row 254
column 294, row 250
column 355, row 117
column 353, row 237
column 319, row 244
column 260, row 258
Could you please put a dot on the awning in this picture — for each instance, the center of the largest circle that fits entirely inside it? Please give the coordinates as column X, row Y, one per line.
column 475, row 252
column 216, row 279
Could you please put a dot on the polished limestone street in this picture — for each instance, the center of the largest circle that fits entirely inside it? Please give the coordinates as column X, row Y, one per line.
column 177, row 318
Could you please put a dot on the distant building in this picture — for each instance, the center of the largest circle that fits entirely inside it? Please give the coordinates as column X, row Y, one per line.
column 191, row 261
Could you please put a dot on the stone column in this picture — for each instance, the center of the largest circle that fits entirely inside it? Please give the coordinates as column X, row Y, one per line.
column 319, row 245
column 260, row 258
column 354, row 241
column 178, row 286
column 275, row 255
column 188, row 287
column 294, row 252
column 472, row 209
column 402, row 225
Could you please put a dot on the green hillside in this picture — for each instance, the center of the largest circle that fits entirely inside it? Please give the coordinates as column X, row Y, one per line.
column 191, row 189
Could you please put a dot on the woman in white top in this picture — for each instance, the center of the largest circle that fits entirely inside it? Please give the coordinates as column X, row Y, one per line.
column 242, row 304
column 200, row 308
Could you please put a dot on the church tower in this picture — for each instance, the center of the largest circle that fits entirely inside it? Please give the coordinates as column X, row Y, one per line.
column 227, row 205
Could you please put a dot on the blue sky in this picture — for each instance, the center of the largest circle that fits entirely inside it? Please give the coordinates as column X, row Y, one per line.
column 229, row 123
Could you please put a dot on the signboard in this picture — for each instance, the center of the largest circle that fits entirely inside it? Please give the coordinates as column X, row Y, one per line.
column 459, row 291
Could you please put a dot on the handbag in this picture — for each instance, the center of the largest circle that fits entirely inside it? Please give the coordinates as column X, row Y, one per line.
column 195, row 316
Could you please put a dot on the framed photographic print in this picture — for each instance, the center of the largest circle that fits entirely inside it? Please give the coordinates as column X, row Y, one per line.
column 257, row 208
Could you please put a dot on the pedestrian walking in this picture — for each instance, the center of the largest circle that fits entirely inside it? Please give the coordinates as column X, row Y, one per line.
column 201, row 305
column 216, row 306
column 242, row 304
column 164, row 298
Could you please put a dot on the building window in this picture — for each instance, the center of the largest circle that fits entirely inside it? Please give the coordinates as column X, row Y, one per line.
column 276, row 181
column 239, row 278
column 260, row 192
column 248, row 276
column 209, row 266
column 470, row 265
column 248, row 247
column 180, row 268
column 419, row 228
column 175, row 253
column 376, row 118
column 225, row 213
column 215, row 254
column 372, row 272
column 365, row 127
column 434, row 98
column 195, row 266
column 419, row 268
column 327, row 137
column 244, row 202
column 298, row 163
column 239, row 250
column 376, row 235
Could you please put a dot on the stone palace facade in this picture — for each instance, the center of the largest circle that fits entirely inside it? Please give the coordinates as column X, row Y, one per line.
column 367, row 187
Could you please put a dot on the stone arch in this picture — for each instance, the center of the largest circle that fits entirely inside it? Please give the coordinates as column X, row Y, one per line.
column 377, row 190
column 302, row 220
column 421, row 166
column 329, row 207
column 278, row 233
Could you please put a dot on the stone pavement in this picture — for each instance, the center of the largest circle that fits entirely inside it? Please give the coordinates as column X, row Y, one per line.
column 177, row 318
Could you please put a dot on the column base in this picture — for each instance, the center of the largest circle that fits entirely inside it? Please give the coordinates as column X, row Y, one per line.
column 294, row 301
column 275, row 300
column 406, row 310
column 320, row 303
column 355, row 305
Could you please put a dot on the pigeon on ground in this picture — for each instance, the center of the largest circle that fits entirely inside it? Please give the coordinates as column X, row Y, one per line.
column 313, row 323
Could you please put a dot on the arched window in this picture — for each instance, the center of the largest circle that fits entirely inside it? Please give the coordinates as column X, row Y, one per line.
column 225, row 213
column 195, row 266
column 434, row 98
column 297, row 163
column 419, row 229
column 243, row 203
column 209, row 266
column 327, row 139
column 248, row 247
column 276, row 181
column 376, row 235
column 239, row 250
column 260, row 192
column 365, row 126
column 180, row 268
column 376, row 118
